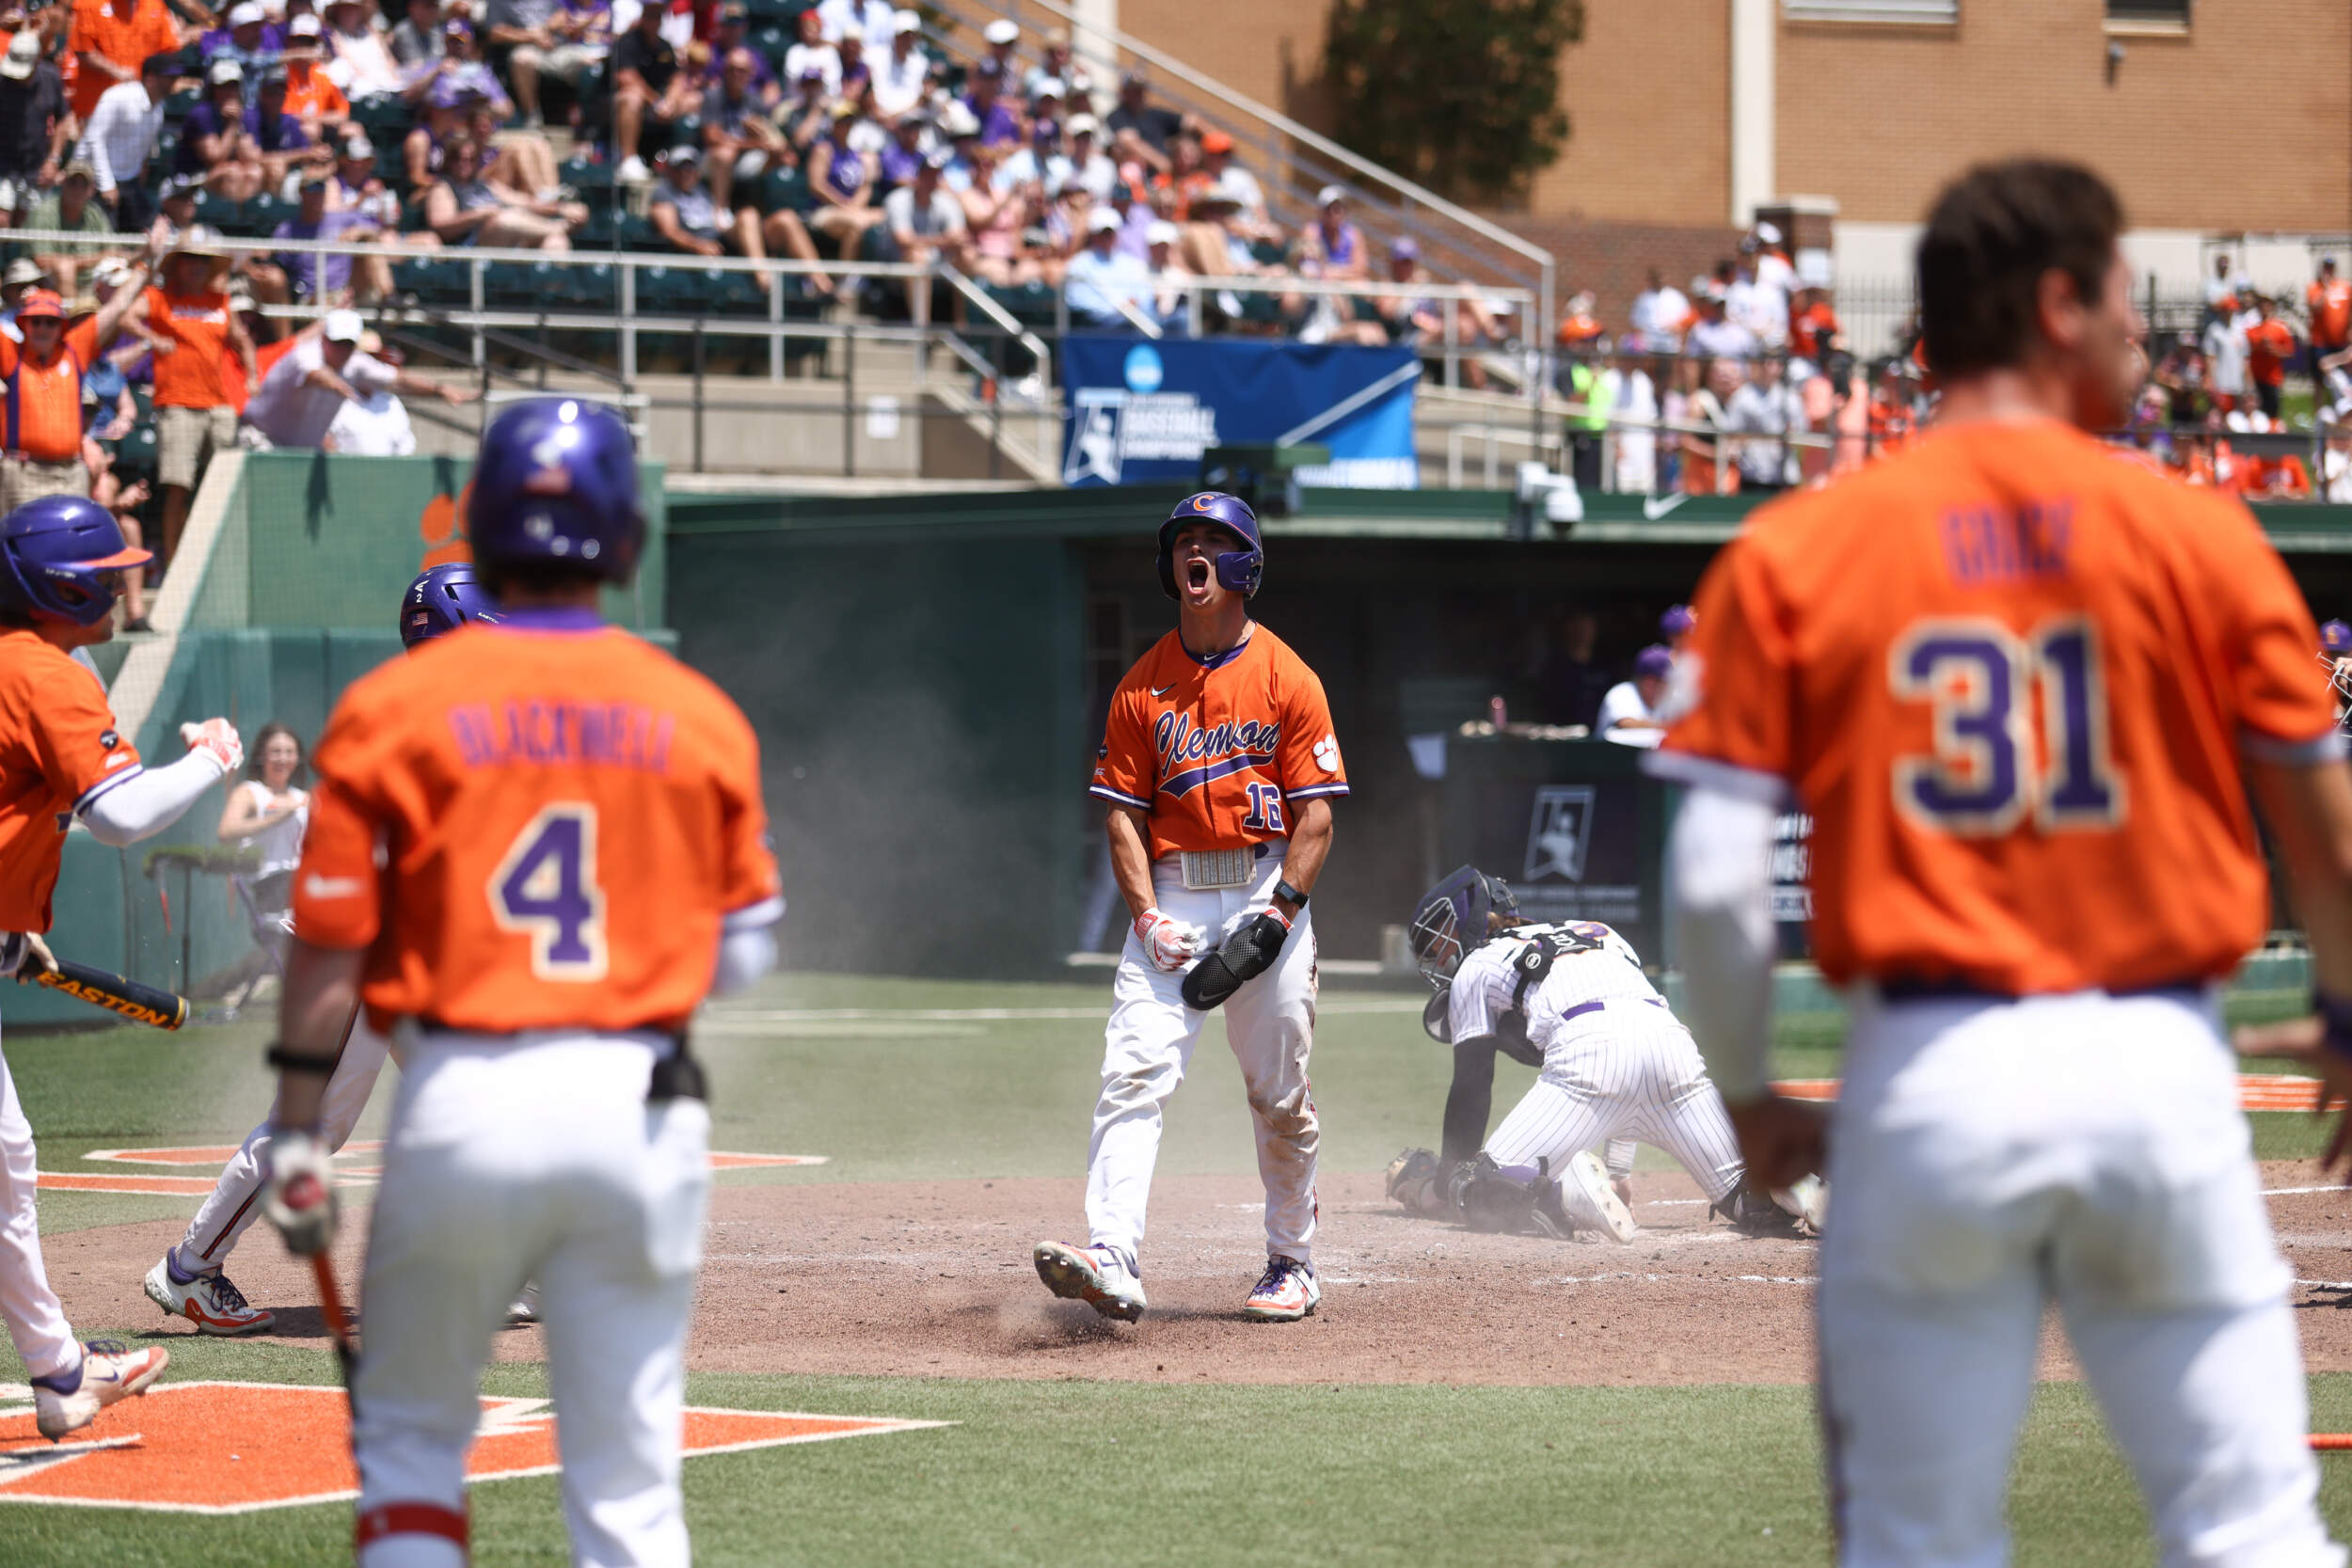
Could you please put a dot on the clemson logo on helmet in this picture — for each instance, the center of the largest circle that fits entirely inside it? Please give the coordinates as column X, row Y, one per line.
column 1200, row 503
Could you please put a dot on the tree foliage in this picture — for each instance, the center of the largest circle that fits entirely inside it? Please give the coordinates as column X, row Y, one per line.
column 1461, row 95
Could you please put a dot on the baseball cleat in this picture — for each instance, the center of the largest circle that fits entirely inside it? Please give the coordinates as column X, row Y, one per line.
column 524, row 1309
column 1591, row 1199
column 110, row 1370
column 1103, row 1277
column 1756, row 1214
column 207, row 1300
column 1286, row 1293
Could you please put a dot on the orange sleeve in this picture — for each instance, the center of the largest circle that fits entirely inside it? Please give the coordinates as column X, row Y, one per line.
column 1737, row 677
column 81, row 341
column 1307, row 760
column 2282, row 700
column 74, row 739
column 338, row 895
column 334, row 101
column 8, row 357
column 1123, row 763
column 82, row 39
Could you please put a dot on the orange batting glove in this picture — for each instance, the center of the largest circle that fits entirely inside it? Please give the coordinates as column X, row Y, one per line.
column 217, row 738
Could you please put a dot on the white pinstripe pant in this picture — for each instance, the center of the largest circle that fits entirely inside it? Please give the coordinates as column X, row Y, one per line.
column 1618, row 1069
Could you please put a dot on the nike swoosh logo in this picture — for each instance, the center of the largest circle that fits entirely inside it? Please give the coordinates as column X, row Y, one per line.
column 317, row 886
column 1654, row 507
column 1162, row 690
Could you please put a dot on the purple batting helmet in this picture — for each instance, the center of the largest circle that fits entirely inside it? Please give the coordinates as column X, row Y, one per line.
column 57, row 556
column 556, row 484
column 1655, row 662
column 2335, row 638
column 443, row 598
column 1677, row 620
column 1240, row 571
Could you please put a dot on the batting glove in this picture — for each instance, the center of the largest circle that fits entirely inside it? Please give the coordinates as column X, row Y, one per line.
column 299, row 1197
column 217, row 739
column 1168, row 942
column 25, row 955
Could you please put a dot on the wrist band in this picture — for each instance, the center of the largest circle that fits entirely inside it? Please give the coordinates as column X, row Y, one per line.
column 290, row 1061
column 2335, row 1016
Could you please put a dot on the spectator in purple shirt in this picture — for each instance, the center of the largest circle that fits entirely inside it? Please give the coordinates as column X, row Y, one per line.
column 317, row 279
column 726, row 36
column 250, row 38
column 904, row 155
column 1000, row 123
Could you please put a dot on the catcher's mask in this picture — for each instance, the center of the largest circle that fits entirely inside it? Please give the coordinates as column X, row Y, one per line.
column 1450, row 921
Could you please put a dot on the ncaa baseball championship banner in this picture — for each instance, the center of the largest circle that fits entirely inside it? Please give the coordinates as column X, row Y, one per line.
column 1140, row 410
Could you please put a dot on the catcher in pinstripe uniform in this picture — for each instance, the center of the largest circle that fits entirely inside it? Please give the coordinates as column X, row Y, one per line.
column 1617, row 1066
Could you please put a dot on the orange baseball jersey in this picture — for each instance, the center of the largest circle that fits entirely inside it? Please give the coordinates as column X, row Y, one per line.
column 59, row 751
column 567, row 815
column 2012, row 677
column 1213, row 749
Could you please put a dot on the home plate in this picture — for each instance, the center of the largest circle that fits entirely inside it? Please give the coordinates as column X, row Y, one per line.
column 236, row 1448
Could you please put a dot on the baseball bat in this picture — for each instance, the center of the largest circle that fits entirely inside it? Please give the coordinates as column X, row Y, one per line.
column 338, row 1320
column 135, row 1002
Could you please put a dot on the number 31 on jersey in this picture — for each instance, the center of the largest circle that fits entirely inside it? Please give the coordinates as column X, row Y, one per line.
column 546, row 888
column 1985, row 685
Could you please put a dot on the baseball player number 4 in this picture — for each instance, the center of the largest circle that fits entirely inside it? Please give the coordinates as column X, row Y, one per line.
column 547, row 889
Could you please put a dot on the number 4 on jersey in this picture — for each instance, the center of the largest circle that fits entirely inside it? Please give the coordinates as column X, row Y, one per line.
column 547, row 889
column 1982, row 680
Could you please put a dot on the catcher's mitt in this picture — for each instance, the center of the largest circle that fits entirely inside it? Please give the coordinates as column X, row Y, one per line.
column 1410, row 1176
column 1245, row 955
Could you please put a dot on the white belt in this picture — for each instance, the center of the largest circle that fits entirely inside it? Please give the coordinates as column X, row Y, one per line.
column 1208, row 870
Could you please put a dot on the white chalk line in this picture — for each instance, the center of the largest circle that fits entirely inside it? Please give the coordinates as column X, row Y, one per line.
column 997, row 1015
column 2292, row 1192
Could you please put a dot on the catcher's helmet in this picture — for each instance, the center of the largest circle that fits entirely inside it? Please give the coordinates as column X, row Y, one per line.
column 57, row 557
column 556, row 483
column 443, row 598
column 1240, row 571
column 2335, row 638
column 1450, row 921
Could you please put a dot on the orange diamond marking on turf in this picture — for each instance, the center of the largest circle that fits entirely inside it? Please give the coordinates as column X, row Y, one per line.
column 233, row 1448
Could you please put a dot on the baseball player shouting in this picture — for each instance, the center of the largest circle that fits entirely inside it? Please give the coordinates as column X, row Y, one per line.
column 2018, row 683
column 62, row 757
column 189, row 1281
column 1617, row 1066
column 573, row 842
column 1220, row 767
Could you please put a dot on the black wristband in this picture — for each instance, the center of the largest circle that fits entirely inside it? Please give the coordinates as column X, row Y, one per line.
column 294, row 1061
column 1290, row 894
column 2335, row 1016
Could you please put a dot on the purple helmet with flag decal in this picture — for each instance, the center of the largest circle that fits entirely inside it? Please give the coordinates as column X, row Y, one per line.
column 556, row 484
column 1239, row 571
column 443, row 598
column 58, row 560
column 2335, row 638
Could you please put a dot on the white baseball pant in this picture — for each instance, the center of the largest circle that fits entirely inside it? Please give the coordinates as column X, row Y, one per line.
column 1990, row 1156
column 37, row 1326
column 235, row 1201
column 1270, row 1023
column 513, row 1157
column 1622, row 1070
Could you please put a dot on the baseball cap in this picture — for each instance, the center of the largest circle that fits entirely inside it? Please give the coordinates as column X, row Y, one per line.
column 78, row 166
column 457, row 28
column 1653, row 661
column 684, row 152
column 180, row 184
column 988, row 69
column 1330, row 194
column 939, row 159
column 735, row 11
column 22, row 56
column 906, row 21
column 303, row 26
column 1677, row 620
column 1050, row 88
column 1404, row 250
column 1160, row 231
column 1084, row 125
column 41, row 302
column 224, row 71
column 2335, row 638
column 111, row 271
column 344, row 327
column 1103, row 221
column 246, row 13
column 23, row 270
column 1001, row 31
column 1215, row 141
column 1767, row 234
column 956, row 121
column 358, row 148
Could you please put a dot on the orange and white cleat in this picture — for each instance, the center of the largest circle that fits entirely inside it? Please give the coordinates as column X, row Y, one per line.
column 206, row 1300
column 1286, row 1293
column 110, row 1370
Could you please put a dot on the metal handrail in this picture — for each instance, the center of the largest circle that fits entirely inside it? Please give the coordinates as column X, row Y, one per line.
column 1362, row 167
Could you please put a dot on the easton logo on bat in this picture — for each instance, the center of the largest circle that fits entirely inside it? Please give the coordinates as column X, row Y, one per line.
column 165, row 1011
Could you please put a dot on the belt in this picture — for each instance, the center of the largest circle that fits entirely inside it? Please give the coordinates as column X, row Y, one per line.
column 1899, row 988
column 17, row 456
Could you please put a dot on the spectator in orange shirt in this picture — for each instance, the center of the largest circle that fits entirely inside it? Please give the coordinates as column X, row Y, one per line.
column 1579, row 326
column 2270, row 348
column 197, row 332
column 2330, row 300
column 40, row 418
column 110, row 38
column 311, row 98
column 1813, row 329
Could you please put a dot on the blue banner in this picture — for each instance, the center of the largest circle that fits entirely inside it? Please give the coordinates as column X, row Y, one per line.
column 1140, row 410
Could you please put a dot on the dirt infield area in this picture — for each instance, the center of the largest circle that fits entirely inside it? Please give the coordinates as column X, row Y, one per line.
column 933, row 1280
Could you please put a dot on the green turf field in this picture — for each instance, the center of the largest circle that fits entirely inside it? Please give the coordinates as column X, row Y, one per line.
column 1076, row 1471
